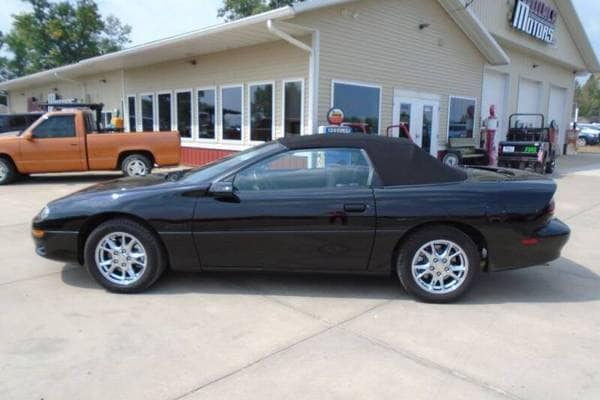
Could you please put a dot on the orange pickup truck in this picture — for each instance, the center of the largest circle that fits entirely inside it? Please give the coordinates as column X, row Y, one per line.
column 70, row 141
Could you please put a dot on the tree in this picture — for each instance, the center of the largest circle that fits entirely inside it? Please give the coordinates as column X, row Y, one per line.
column 59, row 33
column 588, row 98
column 236, row 9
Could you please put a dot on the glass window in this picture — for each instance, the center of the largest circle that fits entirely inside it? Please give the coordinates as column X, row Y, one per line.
column 184, row 114
column 147, row 112
column 427, row 128
column 131, row 113
column 90, row 123
column 405, row 111
column 58, row 126
column 308, row 169
column 292, row 104
column 3, row 101
column 231, row 110
column 359, row 103
column 164, row 112
column 261, row 112
column 206, row 114
column 461, row 118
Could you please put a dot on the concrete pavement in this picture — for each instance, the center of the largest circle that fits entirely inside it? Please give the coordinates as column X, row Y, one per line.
column 525, row 334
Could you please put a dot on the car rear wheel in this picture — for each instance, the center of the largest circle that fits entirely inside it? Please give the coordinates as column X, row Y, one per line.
column 136, row 165
column 123, row 256
column 438, row 264
column 8, row 172
column 451, row 159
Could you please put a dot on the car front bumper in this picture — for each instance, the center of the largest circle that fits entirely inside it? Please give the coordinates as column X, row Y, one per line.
column 58, row 246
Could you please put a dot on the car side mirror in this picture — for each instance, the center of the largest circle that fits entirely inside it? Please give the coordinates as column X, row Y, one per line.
column 222, row 190
column 28, row 135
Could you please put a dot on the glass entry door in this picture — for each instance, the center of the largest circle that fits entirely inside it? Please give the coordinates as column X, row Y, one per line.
column 421, row 117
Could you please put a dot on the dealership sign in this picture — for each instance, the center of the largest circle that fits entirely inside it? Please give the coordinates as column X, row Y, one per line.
column 535, row 18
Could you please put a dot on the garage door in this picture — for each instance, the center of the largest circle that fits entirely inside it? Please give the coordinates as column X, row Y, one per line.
column 556, row 112
column 530, row 99
column 494, row 93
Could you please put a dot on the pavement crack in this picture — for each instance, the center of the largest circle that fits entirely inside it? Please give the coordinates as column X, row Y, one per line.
column 32, row 278
column 427, row 363
column 278, row 351
column 577, row 214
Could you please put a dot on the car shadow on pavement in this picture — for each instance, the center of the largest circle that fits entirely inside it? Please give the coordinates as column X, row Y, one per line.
column 564, row 281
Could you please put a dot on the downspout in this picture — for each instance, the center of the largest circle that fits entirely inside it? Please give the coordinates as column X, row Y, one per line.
column 313, row 69
column 83, row 88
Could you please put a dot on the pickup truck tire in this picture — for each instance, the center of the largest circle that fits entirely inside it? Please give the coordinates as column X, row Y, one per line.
column 123, row 256
column 136, row 165
column 8, row 172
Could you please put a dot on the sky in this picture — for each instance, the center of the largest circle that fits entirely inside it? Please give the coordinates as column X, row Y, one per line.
column 157, row 19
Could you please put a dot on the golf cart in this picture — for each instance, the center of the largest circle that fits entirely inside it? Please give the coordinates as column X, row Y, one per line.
column 528, row 144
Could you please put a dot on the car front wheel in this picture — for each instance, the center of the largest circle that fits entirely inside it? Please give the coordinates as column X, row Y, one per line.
column 438, row 264
column 8, row 172
column 123, row 256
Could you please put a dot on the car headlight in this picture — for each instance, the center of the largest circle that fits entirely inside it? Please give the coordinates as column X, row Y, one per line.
column 43, row 214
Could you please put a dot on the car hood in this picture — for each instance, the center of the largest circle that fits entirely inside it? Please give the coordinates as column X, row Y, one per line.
column 126, row 185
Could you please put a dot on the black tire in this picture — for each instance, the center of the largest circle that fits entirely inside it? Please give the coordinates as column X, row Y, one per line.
column 550, row 167
column 136, row 160
column 8, row 172
column 452, row 159
column 411, row 246
column 156, row 258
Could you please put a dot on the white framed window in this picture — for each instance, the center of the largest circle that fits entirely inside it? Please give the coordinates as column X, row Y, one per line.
column 164, row 111
column 461, row 116
column 107, row 119
column 292, row 107
column 231, row 113
column 261, row 104
column 206, row 113
column 147, row 112
column 360, row 102
column 131, row 108
column 3, row 101
column 184, row 113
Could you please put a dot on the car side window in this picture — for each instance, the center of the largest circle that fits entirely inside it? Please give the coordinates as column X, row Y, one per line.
column 57, row 126
column 308, row 169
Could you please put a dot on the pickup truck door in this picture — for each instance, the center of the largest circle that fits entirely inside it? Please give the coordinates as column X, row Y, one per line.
column 53, row 146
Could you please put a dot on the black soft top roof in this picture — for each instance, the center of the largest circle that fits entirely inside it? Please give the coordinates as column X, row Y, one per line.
column 398, row 161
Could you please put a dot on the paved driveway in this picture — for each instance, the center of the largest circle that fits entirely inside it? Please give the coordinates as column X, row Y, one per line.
column 525, row 334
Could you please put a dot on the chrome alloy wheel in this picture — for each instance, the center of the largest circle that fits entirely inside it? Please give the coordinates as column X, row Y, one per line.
column 3, row 171
column 440, row 266
column 136, row 167
column 121, row 258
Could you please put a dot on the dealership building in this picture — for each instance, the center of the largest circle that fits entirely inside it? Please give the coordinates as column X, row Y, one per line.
column 435, row 65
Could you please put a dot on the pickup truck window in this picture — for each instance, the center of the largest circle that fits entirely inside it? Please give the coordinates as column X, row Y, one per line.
column 57, row 126
column 90, row 125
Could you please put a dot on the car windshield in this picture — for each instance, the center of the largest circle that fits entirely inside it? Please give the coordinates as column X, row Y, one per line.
column 216, row 168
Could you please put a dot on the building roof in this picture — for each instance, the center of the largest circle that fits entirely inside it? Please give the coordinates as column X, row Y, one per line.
column 253, row 30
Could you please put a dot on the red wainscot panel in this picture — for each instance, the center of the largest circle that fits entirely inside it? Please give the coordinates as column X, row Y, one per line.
column 196, row 156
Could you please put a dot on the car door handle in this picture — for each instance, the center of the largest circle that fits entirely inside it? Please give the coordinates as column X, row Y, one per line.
column 355, row 207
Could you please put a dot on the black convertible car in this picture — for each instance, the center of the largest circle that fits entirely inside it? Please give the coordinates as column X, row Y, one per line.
column 323, row 203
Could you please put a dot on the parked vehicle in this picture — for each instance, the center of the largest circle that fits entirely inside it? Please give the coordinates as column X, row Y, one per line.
column 588, row 135
column 17, row 122
column 464, row 151
column 321, row 203
column 70, row 141
column 528, row 145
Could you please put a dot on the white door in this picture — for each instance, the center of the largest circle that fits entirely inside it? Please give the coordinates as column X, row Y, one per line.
column 495, row 88
column 530, row 99
column 556, row 112
column 421, row 117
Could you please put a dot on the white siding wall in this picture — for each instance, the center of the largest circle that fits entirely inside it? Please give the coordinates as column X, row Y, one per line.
column 379, row 42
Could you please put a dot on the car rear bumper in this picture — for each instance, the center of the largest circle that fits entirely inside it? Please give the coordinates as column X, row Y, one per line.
column 544, row 246
column 58, row 246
